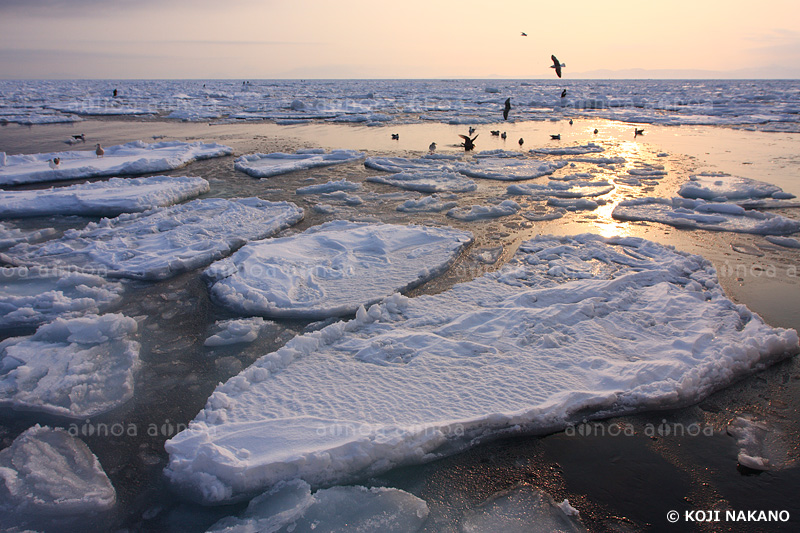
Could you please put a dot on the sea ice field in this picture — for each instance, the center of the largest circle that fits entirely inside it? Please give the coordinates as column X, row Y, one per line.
column 275, row 305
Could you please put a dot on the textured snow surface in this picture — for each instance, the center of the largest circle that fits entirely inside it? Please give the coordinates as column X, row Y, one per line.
column 332, row 269
column 719, row 186
column 266, row 165
column 571, row 328
column 163, row 242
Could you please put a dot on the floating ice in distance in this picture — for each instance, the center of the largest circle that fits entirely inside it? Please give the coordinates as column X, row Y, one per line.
column 48, row 472
column 126, row 159
column 290, row 506
column 331, row 186
column 29, row 297
column 427, row 181
column 508, row 169
column 719, row 186
column 563, row 189
column 75, row 368
column 9, row 235
column 102, row 198
column 332, row 269
column 426, row 204
column 266, row 165
column 698, row 214
column 163, row 242
column 480, row 212
column 237, row 331
column 589, row 148
column 522, row 509
column 571, row 328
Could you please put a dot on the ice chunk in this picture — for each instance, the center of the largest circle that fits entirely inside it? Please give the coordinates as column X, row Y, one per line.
column 523, row 509
column 132, row 158
column 332, row 269
column 758, row 444
column 684, row 213
column 589, row 148
column 479, row 212
column 571, row 328
column 431, row 203
column 102, row 198
column 49, row 472
column 563, row 189
column 428, row 181
column 719, row 185
column 331, row 186
column 29, row 297
column 266, row 165
column 9, row 235
column 505, row 169
column 76, row 368
column 787, row 242
column 290, row 506
column 163, row 242
column 236, row 331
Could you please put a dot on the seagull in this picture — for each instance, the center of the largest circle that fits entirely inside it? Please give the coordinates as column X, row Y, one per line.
column 468, row 143
column 503, row 136
column 523, row 34
column 54, row 163
column 521, row 141
column 99, row 150
column 564, row 93
column 556, row 65
column 596, row 131
column 432, row 147
column 81, row 137
column 471, row 130
column 637, row 131
column 495, row 133
column 507, row 108
column 570, row 122
column 556, row 137
column 395, row 136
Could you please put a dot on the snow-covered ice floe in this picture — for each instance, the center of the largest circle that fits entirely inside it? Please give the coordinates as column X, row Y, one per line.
column 699, row 214
column 572, row 328
column 266, row 165
column 589, row 148
column 290, row 506
column 74, row 368
column 329, row 187
column 481, row 212
column 428, row 181
column 722, row 187
column 237, row 331
column 102, row 198
column 163, row 242
column 48, row 472
column 9, row 235
column 29, row 297
column 563, row 189
column 332, row 269
column 508, row 169
column 426, row 204
column 126, row 159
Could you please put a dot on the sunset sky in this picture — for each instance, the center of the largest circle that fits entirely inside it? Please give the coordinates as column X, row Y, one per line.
column 410, row 39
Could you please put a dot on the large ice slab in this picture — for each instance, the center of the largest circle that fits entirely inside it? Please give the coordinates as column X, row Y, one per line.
column 290, row 506
column 266, row 165
column 332, row 269
column 572, row 328
column 588, row 148
column 163, row 242
column 508, row 169
column 442, row 180
column 75, row 368
column 563, row 189
column 49, row 472
column 126, row 159
column 685, row 213
column 719, row 186
column 29, row 297
column 102, row 198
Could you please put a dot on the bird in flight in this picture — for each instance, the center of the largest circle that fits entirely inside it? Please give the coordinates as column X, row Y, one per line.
column 523, row 34
column 468, row 143
column 637, row 132
column 557, row 65
column 556, row 137
column 507, row 108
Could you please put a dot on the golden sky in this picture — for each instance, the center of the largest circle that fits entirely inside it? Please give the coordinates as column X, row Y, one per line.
column 410, row 39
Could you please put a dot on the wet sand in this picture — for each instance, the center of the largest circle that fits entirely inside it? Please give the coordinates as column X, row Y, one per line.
column 618, row 481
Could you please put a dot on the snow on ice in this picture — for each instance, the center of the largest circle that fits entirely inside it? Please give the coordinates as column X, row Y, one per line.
column 572, row 327
column 332, row 269
column 267, row 165
column 722, row 187
column 163, row 242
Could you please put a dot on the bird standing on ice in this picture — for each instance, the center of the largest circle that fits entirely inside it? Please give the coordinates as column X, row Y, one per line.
column 557, row 65
column 507, row 108
column 432, row 147
column 521, row 141
column 54, row 163
column 99, row 150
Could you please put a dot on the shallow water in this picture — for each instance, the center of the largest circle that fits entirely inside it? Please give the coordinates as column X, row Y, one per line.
column 650, row 476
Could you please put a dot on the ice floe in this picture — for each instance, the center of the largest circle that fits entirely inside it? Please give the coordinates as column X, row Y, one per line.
column 48, row 472
column 9, row 235
column 237, row 331
column 787, row 242
column 290, row 506
column 102, row 198
column 427, row 204
column 480, row 212
column 163, row 242
column 722, row 187
column 126, row 159
column 428, row 181
column 29, row 297
column 563, row 189
column 329, row 187
column 571, row 328
column 76, row 368
column 589, row 148
column 508, row 169
column 332, row 269
column 685, row 213
column 266, row 165
column 756, row 446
